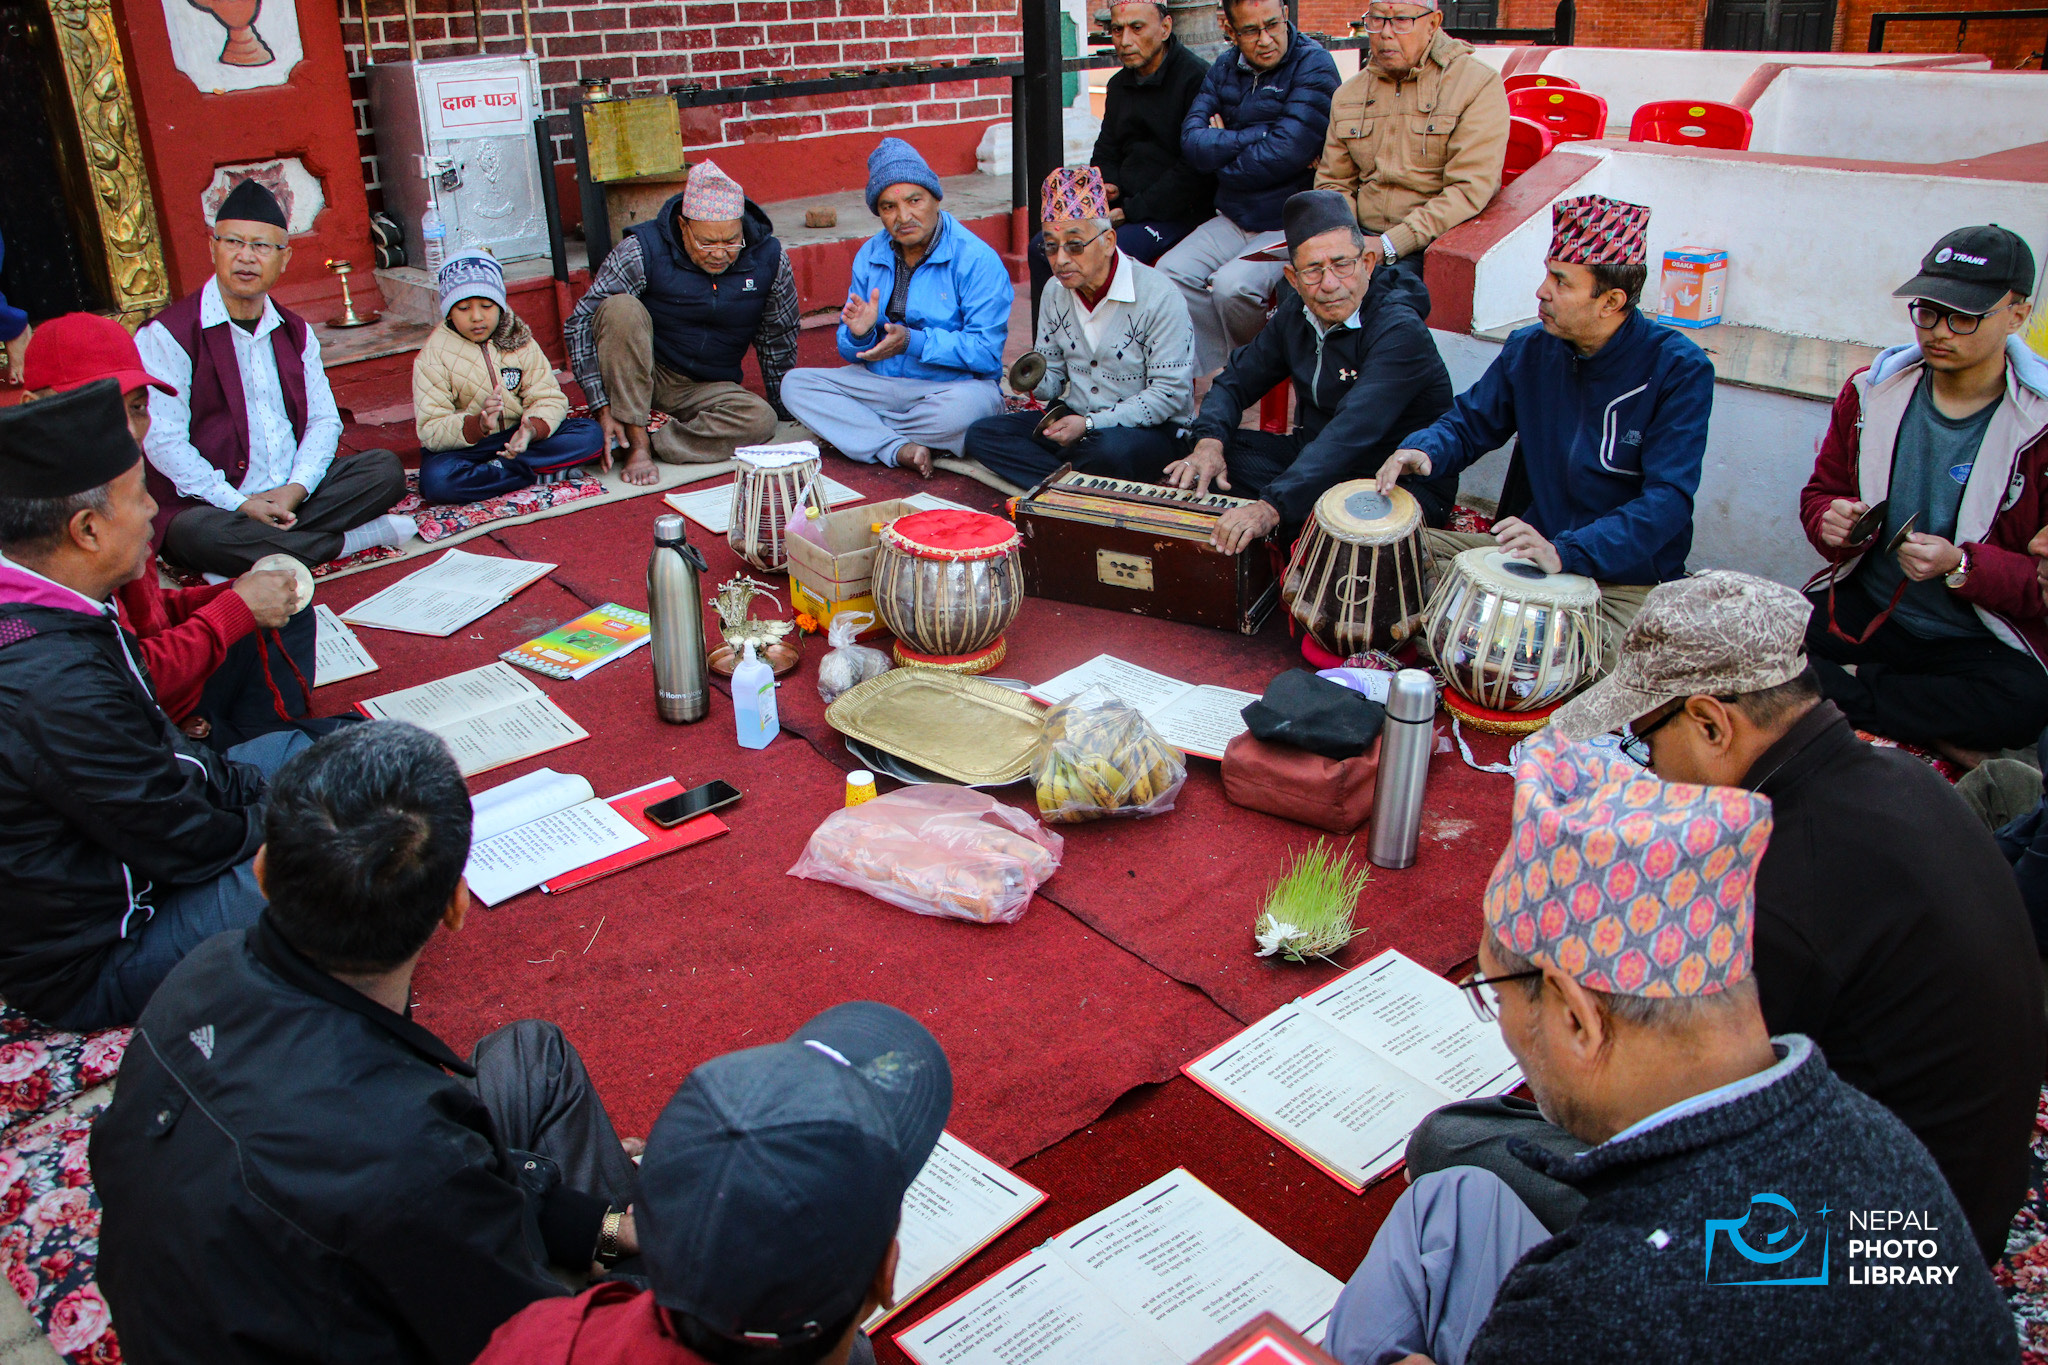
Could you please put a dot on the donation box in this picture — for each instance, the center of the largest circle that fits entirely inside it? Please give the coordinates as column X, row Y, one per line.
column 459, row 132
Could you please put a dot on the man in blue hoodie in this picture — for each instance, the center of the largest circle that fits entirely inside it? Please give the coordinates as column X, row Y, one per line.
column 922, row 331
column 1258, row 127
column 1611, row 414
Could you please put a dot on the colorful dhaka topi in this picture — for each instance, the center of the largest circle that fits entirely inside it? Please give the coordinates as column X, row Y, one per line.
column 1627, row 884
column 1595, row 230
column 712, row 196
column 1074, row 194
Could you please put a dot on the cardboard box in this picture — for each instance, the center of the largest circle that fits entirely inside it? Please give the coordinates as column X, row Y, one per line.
column 1695, row 278
column 840, row 575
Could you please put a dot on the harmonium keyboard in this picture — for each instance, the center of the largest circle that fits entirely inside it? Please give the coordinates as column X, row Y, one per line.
column 1143, row 548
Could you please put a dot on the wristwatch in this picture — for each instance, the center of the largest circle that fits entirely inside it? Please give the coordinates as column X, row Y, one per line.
column 1960, row 572
column 608, row 1249
column 1387, row 253
column 1088, row 424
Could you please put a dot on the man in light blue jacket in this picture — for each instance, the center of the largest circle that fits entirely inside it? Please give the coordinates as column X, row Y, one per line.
column 922, row 330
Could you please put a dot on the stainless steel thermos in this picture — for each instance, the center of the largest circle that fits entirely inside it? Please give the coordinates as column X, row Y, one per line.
column 675, row 603
column 1405, row 744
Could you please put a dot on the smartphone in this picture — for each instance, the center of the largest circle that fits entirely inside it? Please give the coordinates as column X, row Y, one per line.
column 691, row 804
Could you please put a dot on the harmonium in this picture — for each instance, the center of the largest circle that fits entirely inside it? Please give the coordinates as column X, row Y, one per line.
column 1143, row 548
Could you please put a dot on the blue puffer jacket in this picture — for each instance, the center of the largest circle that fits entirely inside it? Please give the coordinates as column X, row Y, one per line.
column 1274, row 123
column 958, row 313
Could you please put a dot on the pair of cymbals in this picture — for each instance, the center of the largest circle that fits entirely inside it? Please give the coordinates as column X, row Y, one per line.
column 1026, row 371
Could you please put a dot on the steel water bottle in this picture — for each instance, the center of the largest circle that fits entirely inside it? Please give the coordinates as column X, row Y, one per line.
column 675, row 604
column 1405, row 744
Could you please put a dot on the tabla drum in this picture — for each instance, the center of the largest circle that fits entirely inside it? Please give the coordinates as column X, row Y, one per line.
column 1513, row 641
column 947, row 584
column 1355, row 581
column 771, row 483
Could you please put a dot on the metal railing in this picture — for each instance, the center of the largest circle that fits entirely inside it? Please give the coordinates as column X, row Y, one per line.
column 1961, row 17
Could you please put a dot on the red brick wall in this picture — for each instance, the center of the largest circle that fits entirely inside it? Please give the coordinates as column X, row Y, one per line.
column 2006, row 42
column 646, row 48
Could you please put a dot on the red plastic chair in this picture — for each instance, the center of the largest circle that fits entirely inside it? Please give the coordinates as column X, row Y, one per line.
column 1571, row 114
column 1537, row 80
column 1692, row 123
column 1528, row 143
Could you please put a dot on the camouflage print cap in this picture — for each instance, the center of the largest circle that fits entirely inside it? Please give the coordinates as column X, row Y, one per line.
column 1717, row 634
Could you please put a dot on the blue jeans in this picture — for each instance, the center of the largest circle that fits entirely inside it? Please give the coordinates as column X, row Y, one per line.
column 481, row 471
column 1006, row 446
column 185, row 917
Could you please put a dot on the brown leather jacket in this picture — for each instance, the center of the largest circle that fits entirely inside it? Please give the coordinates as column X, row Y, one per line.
column 1419, row 156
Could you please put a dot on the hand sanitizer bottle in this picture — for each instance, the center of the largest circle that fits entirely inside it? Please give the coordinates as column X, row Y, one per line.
column 753, row 702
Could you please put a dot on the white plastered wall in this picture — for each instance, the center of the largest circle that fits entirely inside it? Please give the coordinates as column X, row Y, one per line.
column 1918, row 116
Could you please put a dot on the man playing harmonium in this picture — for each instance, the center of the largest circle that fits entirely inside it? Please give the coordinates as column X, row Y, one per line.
column 1611, row 414
column 1117, row 345
column 1352, row 340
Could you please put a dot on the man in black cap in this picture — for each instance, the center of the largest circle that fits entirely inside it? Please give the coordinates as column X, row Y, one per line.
column 770, row 1196
column 1934, row 600
column 294, row 1169
column 242, row 447
column 123, row 844
column 1365, row 372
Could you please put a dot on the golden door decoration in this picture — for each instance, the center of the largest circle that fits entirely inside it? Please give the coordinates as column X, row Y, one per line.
column 122, row 198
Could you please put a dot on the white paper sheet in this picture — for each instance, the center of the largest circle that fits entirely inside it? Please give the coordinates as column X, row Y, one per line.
column 959, row 1203
column 337, row 654
column 1194, row 719
column 711, row 508
column 931, row 502
column 490, row 716
column 455, row 697
column 511, row 804
column 1037, row 1311
column 524, row 857
column 447, row 595
column 1416, row 1019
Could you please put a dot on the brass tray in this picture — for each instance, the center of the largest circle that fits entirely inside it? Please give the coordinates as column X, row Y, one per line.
column 960, row 727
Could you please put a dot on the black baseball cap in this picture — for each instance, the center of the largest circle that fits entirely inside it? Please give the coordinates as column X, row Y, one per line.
column 1971, row 269
column 773, row 1182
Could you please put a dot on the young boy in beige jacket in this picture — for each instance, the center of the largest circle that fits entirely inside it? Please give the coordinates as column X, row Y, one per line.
column 490, row 415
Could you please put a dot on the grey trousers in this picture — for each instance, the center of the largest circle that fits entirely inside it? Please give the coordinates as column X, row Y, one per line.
column 1428, row 1282
column 358, row 488
column 1228, row 298
column 542, row 1101
column 1476, row 1133
column 869, row 417
column 708, row 419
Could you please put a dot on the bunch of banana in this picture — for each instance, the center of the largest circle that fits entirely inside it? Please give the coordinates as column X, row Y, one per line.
column 1099, row 760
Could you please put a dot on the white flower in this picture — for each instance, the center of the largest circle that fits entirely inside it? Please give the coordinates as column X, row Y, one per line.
column 1273, row 935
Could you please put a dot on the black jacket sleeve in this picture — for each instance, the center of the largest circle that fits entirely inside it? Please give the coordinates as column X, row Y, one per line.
column 1178, row 193
column 1254, row 369
column 1396, row 360
column 111, row 767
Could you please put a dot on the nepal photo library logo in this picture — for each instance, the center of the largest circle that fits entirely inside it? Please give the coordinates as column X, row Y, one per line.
column 1899, row 1246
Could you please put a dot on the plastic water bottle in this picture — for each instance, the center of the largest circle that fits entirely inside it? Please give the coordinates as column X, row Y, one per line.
column 753, row 702
column 433, row 237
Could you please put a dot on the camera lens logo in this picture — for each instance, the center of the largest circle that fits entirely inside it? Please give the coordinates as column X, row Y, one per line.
column 1773, row 1253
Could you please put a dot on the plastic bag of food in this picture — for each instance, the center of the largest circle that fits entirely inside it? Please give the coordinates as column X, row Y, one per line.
column 938, row 850
column 849, row 664
column 1097, row 756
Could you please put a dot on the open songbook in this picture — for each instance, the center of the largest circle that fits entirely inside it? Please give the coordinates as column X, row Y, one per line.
column 1156, row 1278
column 1343, row 1075
column 490, row 716
column 337, row 654
column 527, row 830
column 959, row 1203
column 448, row 594
column 1194, row 718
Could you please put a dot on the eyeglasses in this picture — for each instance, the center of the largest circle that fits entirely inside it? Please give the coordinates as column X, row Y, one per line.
column 1052, row 249
column 1252, row 31
column 1344, row 268
column 1391, row 23
column 262, row 251
column 1926, row 315
column 1635, row 741
column 1476, row 997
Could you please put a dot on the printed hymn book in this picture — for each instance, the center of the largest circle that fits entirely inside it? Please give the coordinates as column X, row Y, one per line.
column 1194, row 718
column 959, row 1203
column 448, row 594
column 490, row 716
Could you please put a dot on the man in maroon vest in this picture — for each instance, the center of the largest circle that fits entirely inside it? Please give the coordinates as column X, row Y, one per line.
column 241, row 460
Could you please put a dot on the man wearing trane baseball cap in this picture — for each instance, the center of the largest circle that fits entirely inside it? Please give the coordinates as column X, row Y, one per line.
column 1888, row 929
column 770, row 1194
column 1928, row 485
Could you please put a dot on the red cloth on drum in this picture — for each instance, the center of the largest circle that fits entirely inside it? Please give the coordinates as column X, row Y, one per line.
column 943, row 528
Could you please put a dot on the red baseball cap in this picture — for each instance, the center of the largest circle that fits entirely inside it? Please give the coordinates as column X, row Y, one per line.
column 69, row 352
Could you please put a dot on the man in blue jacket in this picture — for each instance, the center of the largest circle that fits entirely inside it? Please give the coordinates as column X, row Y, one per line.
column 1611, row 411
column 922, row 330
column 1258, row 127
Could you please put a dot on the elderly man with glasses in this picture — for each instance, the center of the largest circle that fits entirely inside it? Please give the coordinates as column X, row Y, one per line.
column 1118, row 354
column 1927, row 490
column 1352, row 340
column 1418, row 137
column 1257, row 126
column 242, row 439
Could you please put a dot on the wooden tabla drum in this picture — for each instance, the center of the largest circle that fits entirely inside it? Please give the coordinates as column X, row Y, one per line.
column 765, row 493
column 1513, row 641
column 947, row 584
column 1355, row 581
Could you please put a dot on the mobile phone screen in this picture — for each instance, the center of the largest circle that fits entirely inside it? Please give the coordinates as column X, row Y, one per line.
column 692, row 803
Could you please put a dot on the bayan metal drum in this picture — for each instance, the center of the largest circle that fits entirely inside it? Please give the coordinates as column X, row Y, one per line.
column 1513, row 641
column 948, row 584
column 772, row 482
column 1355, row 582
